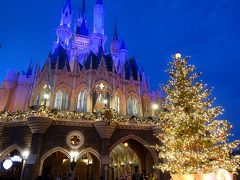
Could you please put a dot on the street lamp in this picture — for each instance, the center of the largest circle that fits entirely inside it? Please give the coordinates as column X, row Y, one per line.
column 46, row 97
column 25, row 155
column 105, row 101
column 155, row 107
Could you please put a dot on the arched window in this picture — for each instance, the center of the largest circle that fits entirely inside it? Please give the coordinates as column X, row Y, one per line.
column 82, row 102
column 101, row 97
column 43, row 96
column 117, row 103
column 61, row 100
column 132, row 106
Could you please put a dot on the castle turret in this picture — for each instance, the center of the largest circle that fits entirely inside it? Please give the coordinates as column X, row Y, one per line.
column 115, row 46
column 123, row 52
column 23, row 89
column 81, row 43
column 7, row 90
column 98, row 26
column 63, row 31
column 98, row 21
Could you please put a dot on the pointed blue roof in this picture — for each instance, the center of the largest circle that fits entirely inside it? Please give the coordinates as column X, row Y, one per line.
column 83, row 30
column 59, row 58
column 115, row 34
column 82, row 13
column 29, row 70
column 68, row 5
column 123, row 46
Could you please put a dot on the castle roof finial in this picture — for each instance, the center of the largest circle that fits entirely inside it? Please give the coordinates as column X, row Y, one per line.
column 115, row 35
column 68, row 6
column 29, row 70
column 99, row 2
column 82, row 12
column 123, row 45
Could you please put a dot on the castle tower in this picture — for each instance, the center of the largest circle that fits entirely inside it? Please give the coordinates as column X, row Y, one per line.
column 123, row 52
column 63, row 31
column 81, row 43
column 98, row 21
column 115, row 46
column 98, row 26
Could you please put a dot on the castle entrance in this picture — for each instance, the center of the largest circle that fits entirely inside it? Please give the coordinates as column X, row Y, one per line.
column 11, row 165
column 130, row 158
column 86, row 166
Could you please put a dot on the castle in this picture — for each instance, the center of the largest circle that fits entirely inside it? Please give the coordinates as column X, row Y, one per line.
column 79, row 77
column 79, row 74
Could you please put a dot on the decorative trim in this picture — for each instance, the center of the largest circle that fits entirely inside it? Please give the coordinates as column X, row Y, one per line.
column 75, row 137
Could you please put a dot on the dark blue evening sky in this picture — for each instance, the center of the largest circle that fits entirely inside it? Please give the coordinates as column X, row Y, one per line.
column 207, row 30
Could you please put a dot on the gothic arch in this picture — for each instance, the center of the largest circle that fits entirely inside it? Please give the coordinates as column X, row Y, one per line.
column 80, row 87
column 39, row 88
column 8, row 150
column 62, row 86
column 92, row 151
column 50, row 152
column 138, row 139
column 109, row 88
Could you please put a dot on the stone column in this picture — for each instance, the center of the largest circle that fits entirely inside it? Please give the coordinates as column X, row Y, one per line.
column 105, row 132
column 38, row 126
column 2, row 125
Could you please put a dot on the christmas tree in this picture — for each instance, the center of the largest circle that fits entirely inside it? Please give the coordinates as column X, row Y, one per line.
column 194, row 142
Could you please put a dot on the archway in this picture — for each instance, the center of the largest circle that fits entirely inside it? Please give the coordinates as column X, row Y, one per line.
column 11, row 163
column 131, row 157
column 85, row 165
column 57, row 164
column 88, row 165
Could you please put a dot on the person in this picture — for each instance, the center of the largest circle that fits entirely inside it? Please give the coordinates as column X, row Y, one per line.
column 58, row 177
column 154, row 176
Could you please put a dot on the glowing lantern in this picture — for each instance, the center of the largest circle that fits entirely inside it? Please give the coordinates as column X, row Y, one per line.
column 7, row 164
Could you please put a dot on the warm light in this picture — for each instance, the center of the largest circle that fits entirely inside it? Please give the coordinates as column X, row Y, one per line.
column 125, row 144
column 7, row 164
column 178, row 56
column 25, row 154
column 223, row 174
column 46, row 96
column 16, row 159
column 155, row 106
column 73, row 155
column 105, row 101
column 122, row 163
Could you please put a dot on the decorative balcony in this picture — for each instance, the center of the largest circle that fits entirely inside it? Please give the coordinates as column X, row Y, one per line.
column 109, row 117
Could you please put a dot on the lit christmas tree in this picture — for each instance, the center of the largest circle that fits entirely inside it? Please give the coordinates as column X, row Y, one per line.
column 193, row 141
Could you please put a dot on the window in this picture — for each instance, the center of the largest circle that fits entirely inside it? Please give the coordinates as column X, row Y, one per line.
column 82, row 102
column 132, row 106
column 43, row 96
column 117, row 104
column 61, row 100
column 101, row 97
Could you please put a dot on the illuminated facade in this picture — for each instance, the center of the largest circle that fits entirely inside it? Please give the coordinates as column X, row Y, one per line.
column 80, row 76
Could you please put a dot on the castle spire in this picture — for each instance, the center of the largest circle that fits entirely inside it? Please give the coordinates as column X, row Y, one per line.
column 98, row 21
column 63, row 31
column 99, row 2
column 115, row 34
column 29, row 70
column 83, row 10
column 66, row 14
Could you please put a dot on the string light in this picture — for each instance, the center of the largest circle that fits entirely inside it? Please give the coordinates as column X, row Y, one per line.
column 194, row 142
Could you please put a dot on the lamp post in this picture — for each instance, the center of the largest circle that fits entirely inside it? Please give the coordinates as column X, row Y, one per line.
column 155, row 107
column 46, row 97
column 25, row 155
column 105, row 101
